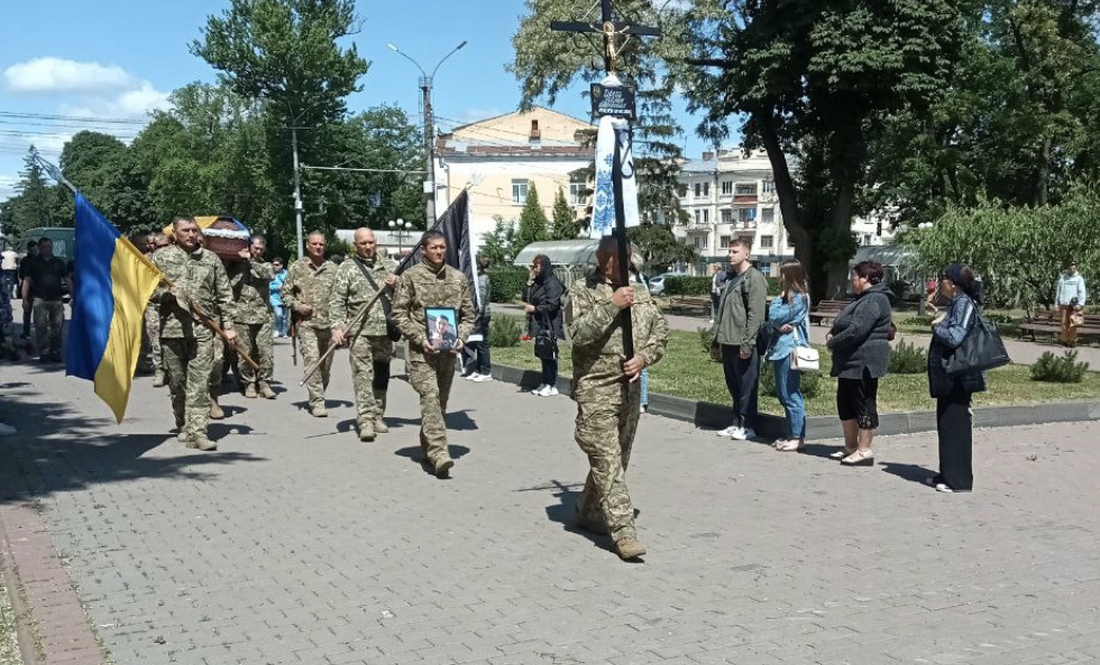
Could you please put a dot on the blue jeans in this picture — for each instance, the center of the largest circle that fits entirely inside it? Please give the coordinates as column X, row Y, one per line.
column 645, row 387
column 788, row 388
column 281, row 321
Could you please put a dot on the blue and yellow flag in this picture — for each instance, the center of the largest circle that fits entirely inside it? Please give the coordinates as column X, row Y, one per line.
column 113, row 282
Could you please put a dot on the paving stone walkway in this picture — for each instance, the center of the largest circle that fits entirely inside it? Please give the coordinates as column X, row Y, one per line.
column 296, row 543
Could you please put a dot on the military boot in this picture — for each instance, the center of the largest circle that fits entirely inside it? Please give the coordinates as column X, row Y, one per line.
column 380, row 425
column 366, row 431
column 629, row 548
column 216, row 412
column 443, row 468
column 184, row 437
column 265, row 391
column 250, row 391
column 201, row 442
column 158, row 380
column 318, row 411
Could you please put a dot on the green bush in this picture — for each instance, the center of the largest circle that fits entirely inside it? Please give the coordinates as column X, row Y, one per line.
column 506, row 284
column 773, row 286
column 504, row 331
column 906, row 358
column 706, row 334
column 1055, row 369
column 687, row 286
column 811, row 381
column 915, row 322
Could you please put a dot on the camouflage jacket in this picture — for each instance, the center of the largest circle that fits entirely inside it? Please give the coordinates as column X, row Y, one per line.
column 593, row 324
column 249, row 282
column 311, row 285
column 425, row 286
column 199, row 276
column 351, row 291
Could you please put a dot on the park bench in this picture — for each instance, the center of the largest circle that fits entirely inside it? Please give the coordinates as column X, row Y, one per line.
column 686, row 304
column 825, row 311
column 1051, row 324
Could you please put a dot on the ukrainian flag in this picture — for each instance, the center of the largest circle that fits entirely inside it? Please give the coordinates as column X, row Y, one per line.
column 113, row 282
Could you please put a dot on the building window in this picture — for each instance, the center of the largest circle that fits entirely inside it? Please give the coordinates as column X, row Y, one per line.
column 727, row 187
column 767, row 215
column 746, row 215
column 578, row 193
column 706, row 216
column 701, row 242
column 767, row 242
column 866, row 239
column 698, row 189
column 727, row 216
column 769, row 186
column 519, row 192
column 698, row 216
column 725, row 242
column 745, row 189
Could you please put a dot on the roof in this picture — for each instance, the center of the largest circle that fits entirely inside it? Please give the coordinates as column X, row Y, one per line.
column 579, row 252
column 493, row 137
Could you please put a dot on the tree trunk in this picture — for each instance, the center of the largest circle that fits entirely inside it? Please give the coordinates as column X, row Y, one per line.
column 1043, row 176
column 837, row 275
column 785, row 190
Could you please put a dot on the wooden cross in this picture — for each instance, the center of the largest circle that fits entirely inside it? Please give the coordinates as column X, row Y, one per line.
column 611, row 30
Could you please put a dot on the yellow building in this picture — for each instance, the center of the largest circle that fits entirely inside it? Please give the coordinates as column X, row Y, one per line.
column 500, row 159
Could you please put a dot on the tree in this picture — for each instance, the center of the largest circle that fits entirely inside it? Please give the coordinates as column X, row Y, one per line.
column 499, row 245
column 532, row 220
column 813, row 81
column 659, row 247
column 564, row 226
column 36, row 203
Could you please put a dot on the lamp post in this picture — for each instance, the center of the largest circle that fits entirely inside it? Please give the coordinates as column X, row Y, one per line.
column 429, row 133
column 402, row 229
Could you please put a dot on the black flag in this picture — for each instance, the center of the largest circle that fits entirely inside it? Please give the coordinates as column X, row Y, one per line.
column 454, row 224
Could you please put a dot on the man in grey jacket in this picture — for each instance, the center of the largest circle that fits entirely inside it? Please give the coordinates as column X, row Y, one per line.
column 740, row 315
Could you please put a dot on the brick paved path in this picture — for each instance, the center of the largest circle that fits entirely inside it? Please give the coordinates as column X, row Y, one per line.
column 295, row 543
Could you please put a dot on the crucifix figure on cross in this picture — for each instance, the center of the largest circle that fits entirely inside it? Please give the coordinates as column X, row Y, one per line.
column 611, row 30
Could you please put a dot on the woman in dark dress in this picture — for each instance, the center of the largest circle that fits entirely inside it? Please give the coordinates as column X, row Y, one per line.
column 543, row 297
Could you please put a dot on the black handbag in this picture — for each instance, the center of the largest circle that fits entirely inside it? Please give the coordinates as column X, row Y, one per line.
column 392, row 331
column 981, row 349
column 546, row 345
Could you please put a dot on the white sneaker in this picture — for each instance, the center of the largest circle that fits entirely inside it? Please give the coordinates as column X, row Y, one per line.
column 538, row 391
column 472, row 376
column 551, row 391
column 7, row 430
column 483, row 378
column 743, row 434
column 729, row 430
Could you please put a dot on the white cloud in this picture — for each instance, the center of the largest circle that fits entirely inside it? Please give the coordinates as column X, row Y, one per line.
column 51, row 75
column 7, row 186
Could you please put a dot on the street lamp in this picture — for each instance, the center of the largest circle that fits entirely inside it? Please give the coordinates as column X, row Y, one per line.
column 402, row 229
column 429, row 133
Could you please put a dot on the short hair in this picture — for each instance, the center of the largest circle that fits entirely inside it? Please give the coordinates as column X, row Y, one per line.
column 872, row 271
column 316, row 233
column 182, row 218
column 277, row 259
column 31, row 244
column 741, row 242
column 45, row 239
column 256, row 236
column 430, row 236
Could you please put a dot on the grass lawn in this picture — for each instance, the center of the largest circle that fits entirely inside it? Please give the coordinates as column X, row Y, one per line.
column 686, row 371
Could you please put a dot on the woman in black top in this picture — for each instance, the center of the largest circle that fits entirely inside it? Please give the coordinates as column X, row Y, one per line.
column 543, row 297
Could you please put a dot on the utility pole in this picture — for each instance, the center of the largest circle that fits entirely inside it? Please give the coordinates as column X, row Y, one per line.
column 297, row 193
column 426, row 80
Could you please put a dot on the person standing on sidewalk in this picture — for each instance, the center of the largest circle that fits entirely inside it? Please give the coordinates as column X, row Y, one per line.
column 357, row 281
column 42, row 287
column 1070, row 296
column 9, row 267
column 543, row 304
column 740, row 315
column 249, row 280
column 306, row 293
column 188, row 345
column 477, row 364
column 789, row 319
column 432, row 283
column 156, row 242
column 25, row 265
column 607, row 390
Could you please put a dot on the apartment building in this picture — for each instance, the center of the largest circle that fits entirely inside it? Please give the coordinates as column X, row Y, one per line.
column 732, row 195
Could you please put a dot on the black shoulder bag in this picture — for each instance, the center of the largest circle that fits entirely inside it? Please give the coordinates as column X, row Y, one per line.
column 392, row 331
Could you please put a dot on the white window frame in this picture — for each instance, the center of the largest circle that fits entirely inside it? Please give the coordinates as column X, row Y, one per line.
column 768, row 186
column 727, row 187
column 727, row 216
column 518, row 186
column 767, row 242
column 746, row 215
column 744, row 189
column 767, row 215
column 578, row 193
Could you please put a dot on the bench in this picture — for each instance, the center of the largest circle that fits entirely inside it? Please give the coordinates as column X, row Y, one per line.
column 1051, row 324
column 684, row 304
column 826, row 310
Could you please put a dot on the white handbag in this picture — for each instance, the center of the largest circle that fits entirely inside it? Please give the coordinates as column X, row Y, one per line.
column 804, row 358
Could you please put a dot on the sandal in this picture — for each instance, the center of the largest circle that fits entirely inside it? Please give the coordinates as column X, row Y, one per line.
column 859, row 458
column 789, row 446
column 842, row 453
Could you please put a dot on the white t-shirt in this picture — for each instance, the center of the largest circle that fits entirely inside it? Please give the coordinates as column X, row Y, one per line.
column 11, row 260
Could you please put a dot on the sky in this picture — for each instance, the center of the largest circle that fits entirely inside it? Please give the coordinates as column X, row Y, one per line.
column 70, row 65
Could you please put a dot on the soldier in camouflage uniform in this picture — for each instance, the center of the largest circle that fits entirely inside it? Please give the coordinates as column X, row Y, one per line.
column 607, row 390
column 370, row 350
column 157, row 241
column 306, row 293
column 249, row 280
column 188, row 345
column 432, row 284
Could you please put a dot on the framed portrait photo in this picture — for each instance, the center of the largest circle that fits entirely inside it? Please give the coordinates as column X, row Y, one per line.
column 441, row 325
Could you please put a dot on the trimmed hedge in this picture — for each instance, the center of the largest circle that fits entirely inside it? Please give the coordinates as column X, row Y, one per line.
column 700, row 286
column 506, row 284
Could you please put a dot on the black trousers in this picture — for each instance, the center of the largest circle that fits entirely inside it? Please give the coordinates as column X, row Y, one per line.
column 475, row 355
column 742, row 381
column 955, row 426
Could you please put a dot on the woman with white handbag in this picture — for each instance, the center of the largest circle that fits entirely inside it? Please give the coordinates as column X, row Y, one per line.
column 790, row 352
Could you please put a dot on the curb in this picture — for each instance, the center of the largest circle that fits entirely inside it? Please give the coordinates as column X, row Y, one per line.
column 707, row 415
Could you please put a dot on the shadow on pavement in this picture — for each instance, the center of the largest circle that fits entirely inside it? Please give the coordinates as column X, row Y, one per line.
column 414, row 453
column 60, row 450
column 911, row 472
column 567, row 496
column 457, row 421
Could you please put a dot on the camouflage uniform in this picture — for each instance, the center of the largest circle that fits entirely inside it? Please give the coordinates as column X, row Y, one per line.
column 151, row 353
column 311, row 285
column 370, row 349
column 253, row 318
column 607, row 403
column 431, row 376
column 186, row 344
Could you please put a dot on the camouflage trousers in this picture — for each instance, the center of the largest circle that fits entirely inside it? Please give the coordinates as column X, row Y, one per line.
column 150, row 358
column 368, row 353
column 605, row 433
column 187, row 363
column 431, row 377
column 48, row 317
column 217, row 367
column 313, row 343
column 257, row 341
